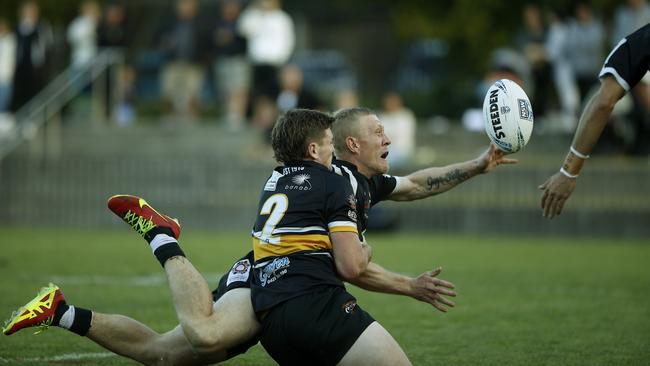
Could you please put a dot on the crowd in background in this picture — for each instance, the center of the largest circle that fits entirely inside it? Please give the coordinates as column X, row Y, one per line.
column 246, row 50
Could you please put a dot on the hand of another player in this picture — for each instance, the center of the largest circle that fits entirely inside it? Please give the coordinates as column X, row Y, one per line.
column 493, row 157
column 430, row 289
column 557, row 190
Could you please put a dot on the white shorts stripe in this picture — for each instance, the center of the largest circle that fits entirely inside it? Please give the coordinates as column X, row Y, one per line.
column 614, row 73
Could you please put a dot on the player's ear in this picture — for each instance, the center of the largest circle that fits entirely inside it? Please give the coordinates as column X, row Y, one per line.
column 352, row 144
column 312, row 151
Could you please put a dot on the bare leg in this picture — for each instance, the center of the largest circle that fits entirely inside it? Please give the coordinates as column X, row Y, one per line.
column 231, row 317
column 130, row 338
column 375, row 346
column 208, row 330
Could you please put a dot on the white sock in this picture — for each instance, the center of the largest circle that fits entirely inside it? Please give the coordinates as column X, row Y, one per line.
column 160, row 240
column 67, row 318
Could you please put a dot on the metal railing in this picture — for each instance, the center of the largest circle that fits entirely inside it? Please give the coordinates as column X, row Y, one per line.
column 47, row 105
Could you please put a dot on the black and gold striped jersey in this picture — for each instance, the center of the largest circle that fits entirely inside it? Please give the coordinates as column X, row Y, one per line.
column 368, row 192
column 300, row 205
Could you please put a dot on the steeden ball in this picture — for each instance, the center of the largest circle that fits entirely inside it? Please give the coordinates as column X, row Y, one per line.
column 508, row 115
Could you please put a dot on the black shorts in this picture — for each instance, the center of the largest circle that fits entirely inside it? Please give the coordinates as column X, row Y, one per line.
column 237, row 277
column 314, row 329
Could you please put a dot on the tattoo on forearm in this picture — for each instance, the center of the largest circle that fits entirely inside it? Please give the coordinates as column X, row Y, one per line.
column 452, row 178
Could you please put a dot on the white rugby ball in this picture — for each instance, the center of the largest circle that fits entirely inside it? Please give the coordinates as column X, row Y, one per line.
column 508, row 115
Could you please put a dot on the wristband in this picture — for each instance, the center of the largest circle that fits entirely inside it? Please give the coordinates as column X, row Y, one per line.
column 578, row 153
column 567, row 174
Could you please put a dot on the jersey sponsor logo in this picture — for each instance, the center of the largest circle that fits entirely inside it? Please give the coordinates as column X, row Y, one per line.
column 274, row 270
column 272, row 182
column 300, row 183
column 349, row 306
column 352, row 201
column 352, row 215
column 239, row 272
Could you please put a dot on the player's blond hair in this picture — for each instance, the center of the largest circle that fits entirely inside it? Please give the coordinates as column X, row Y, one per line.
column 346, row 123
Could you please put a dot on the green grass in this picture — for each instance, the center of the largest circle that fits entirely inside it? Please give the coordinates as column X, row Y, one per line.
column 522, row 301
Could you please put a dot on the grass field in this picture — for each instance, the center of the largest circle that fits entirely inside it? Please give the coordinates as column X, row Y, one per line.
column 522, row 301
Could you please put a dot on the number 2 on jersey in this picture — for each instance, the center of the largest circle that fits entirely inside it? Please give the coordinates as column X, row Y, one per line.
column 274, row 206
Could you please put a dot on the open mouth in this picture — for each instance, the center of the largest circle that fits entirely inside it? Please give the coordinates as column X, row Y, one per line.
column 384, row 155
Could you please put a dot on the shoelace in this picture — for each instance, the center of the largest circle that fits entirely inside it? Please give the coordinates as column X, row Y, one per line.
column 139, row 223
column 44, row 325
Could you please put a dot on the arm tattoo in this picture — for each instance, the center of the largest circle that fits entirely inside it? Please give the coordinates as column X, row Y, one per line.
column 453, row 177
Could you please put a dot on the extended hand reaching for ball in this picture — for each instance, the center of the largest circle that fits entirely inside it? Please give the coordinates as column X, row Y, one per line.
column 493, row 157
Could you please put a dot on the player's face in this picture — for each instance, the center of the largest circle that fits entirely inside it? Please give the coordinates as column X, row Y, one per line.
column 373, row 146
column 326, row 149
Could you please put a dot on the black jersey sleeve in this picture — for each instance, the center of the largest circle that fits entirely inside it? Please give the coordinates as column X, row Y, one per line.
column 381, row 186
column 340, row 205
column 630, row 59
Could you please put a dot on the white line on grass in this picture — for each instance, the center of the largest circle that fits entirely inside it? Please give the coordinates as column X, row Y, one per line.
column 144, row 280
column 58, row 358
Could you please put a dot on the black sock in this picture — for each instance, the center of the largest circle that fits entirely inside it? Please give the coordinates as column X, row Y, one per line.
column 157, row 230
column 164, row 252
column 59, row 311
column 80, row 322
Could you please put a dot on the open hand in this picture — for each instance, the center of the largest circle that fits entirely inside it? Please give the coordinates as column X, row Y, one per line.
column 430, row 289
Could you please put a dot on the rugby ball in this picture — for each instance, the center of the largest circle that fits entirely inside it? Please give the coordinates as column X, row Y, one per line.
column 508, row 115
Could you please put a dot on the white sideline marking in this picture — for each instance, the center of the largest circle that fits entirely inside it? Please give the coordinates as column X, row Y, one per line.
column 144, row 280
column 59, row 358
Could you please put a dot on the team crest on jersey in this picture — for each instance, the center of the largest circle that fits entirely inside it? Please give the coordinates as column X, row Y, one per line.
column 239, row 272
column 349, row 306
column 300, row 183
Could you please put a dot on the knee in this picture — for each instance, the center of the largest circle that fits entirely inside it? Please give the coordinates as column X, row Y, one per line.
column 205, row 341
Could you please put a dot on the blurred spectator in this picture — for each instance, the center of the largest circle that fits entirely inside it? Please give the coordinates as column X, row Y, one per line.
column 505, row 63
column 400, row 125
column 124, row 110
column 33, row 40
column 112, row 31
column 7, row 64
column 585, row 40
column 82, row 34
column 629, row 18
column 346, row 99
column 182, row 76
column 563, row 77
column 293, row 94
column 270, row 34
column 265, row 112
column 531, row 41
column 231, row 67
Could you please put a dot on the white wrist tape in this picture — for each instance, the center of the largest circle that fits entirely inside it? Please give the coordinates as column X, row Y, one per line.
column 578, row 153
column 567, row 174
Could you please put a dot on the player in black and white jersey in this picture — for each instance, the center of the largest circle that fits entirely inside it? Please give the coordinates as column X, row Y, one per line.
column 623, row 69
column 361, row 148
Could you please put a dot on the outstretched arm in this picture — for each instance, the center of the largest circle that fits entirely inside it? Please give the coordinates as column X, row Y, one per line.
column 426, row 287
column 558, row 188
column 436, row 180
